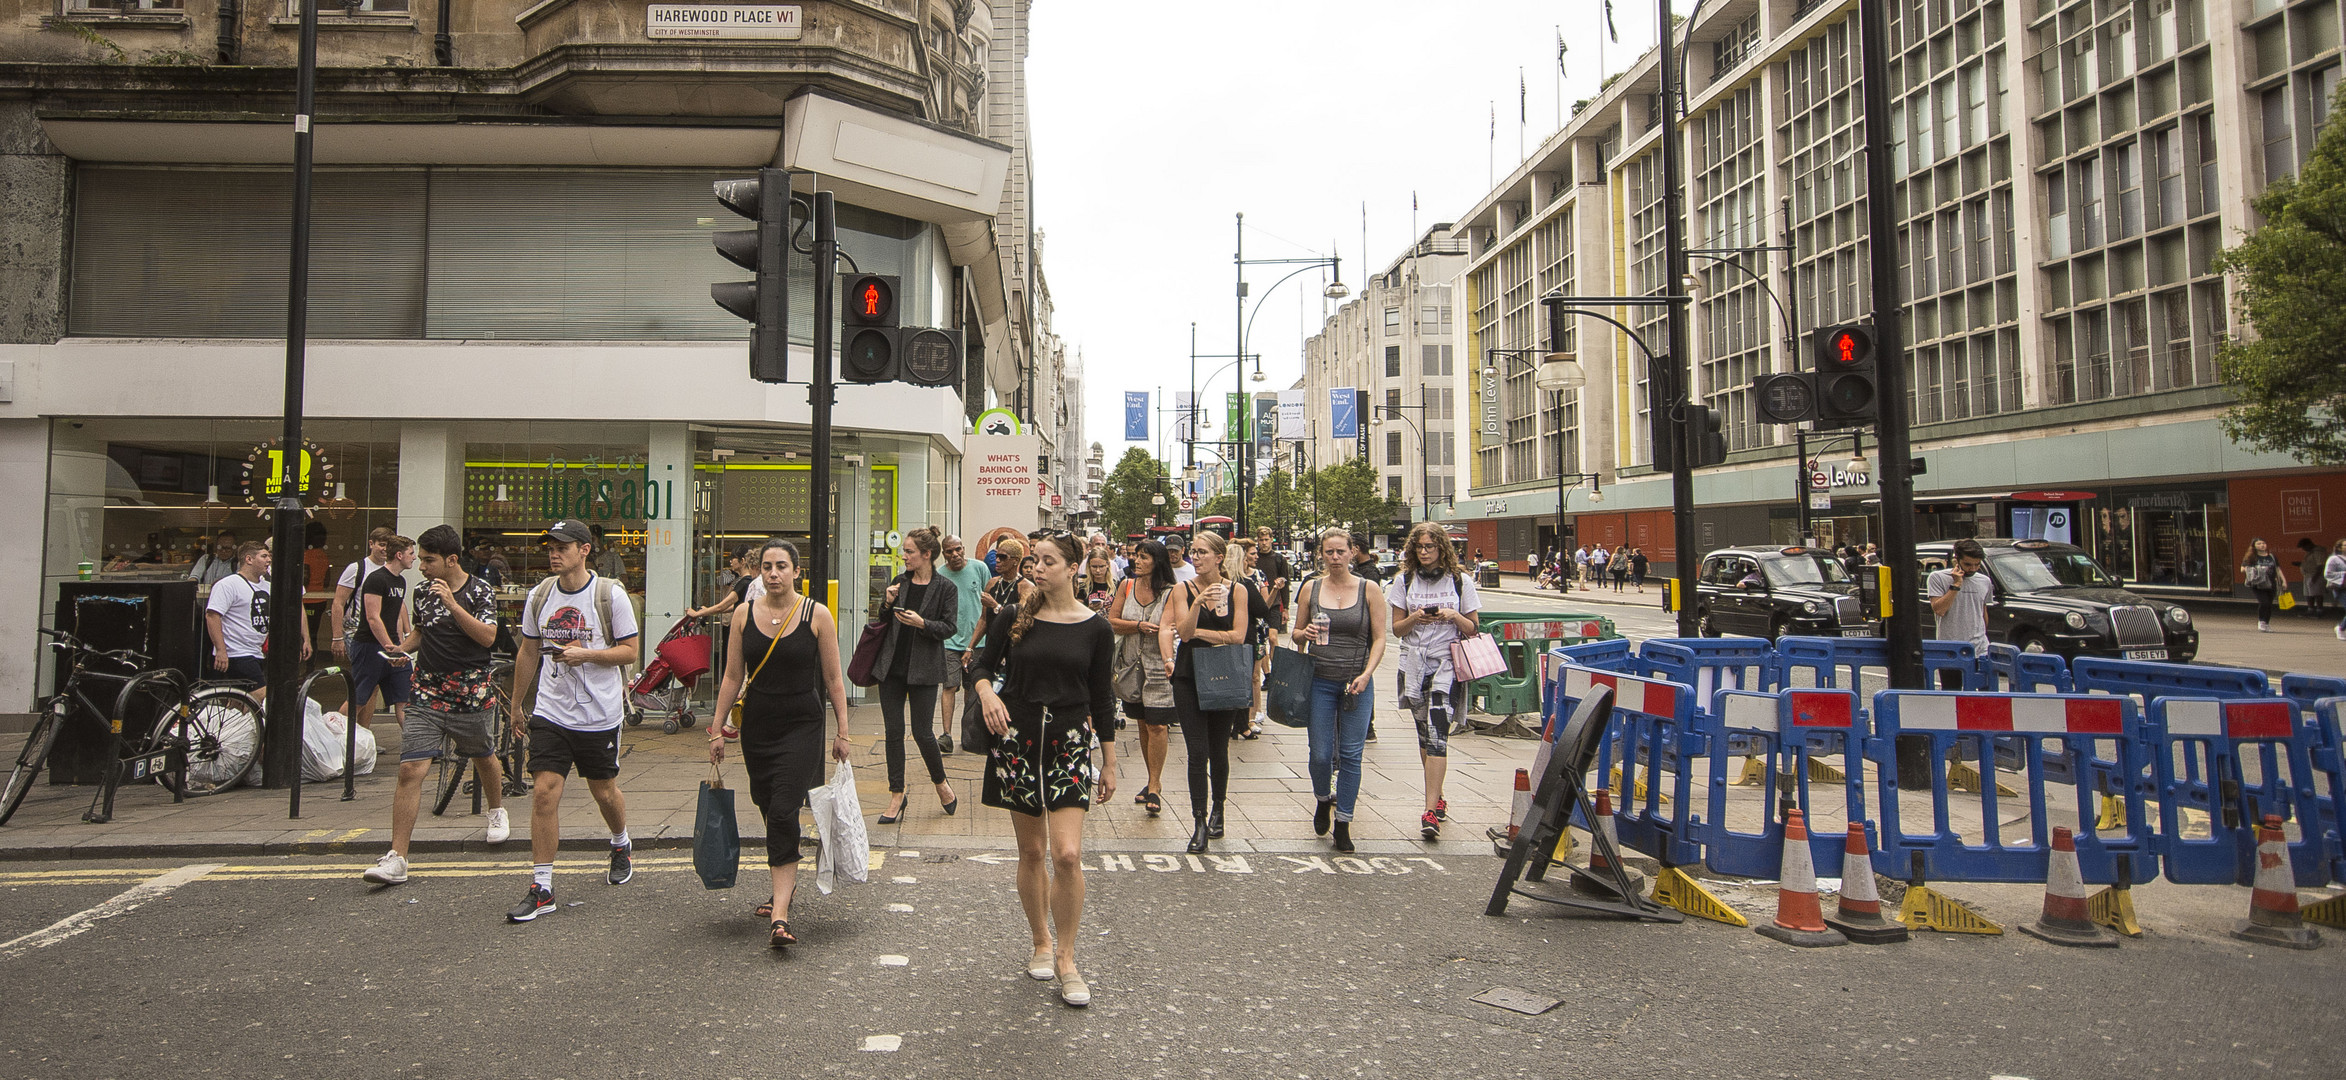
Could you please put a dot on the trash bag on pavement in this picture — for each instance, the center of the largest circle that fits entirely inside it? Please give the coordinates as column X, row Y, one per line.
column 844, row 850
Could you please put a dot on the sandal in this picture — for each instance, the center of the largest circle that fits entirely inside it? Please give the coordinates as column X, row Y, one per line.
column 1155, row 803
column 765, row 910
column 782, row 936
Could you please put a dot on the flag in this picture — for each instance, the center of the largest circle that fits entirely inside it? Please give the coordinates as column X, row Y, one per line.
column 1343, row 413
column 1291, row 422
column 1522, row 98
column 1494, row 120
column 1561, row 49
column 1184, row 416
column 1136, row 416
column 1610, row 30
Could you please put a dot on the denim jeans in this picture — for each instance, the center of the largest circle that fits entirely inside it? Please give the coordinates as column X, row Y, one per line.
column 1338, row 736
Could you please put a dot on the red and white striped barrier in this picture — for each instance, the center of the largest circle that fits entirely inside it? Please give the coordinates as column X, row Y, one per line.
column 2230, row 719
column 1651, row 696
column 2000, row 712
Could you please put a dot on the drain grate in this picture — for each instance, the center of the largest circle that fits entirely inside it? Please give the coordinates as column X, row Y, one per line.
column 1513, row 1000
column 941, row 857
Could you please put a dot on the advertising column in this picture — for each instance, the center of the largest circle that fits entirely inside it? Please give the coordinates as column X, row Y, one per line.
column 1000, row 481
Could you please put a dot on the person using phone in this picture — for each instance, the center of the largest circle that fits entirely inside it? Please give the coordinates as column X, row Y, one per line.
column 1434, row 607
column 376, row 659
column 1959, row 597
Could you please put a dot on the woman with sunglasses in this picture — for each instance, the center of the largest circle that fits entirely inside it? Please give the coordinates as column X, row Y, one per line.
column 1056, row 656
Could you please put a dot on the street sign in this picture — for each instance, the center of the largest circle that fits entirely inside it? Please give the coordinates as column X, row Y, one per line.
column 1819, row 500
column 1820, row 480
column 1188, row 503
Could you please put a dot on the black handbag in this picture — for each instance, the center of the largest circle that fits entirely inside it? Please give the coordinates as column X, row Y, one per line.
column 1287, row 690
column 1224, row 676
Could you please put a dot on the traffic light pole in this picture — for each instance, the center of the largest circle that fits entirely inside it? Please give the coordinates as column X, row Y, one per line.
column 1681, row 387
column 820, row 396
column 281, row 748
column 1903, row 628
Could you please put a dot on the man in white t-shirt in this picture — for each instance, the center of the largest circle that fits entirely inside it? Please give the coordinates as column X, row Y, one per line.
column 237, row 619
column 582, row 625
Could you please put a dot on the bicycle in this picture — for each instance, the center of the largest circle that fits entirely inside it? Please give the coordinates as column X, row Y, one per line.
column 512, row 752
column 204, row 738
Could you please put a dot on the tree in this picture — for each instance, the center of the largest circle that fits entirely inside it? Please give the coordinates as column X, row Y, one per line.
column 2291, row 378
column 1350, row 497
column 1279, row 505
column 1222, row 505
column 1125, row 505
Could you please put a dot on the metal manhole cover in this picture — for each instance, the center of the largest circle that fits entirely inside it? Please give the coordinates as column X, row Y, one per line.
column 1513, row 1000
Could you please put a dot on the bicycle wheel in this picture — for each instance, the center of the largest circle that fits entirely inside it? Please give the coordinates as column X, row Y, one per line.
column 28, row 763
column 220, row 730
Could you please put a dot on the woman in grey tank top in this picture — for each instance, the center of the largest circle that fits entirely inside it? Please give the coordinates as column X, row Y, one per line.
column 1343, row 618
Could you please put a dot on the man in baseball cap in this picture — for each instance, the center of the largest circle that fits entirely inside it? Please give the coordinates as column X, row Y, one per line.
column 569, row 531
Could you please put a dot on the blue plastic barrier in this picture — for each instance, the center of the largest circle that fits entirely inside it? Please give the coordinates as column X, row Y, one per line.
column 1844, row 663
column 1950, row 720
column 1710, row 665
column 1770, row 725
column 2308, row 691
column 2330, row 763
column 2020, row 672
column 2239, row 760
column 1650, row 738
column 2150, row 680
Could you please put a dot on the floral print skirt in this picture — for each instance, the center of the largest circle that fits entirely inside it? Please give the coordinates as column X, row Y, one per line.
column 1042, row 764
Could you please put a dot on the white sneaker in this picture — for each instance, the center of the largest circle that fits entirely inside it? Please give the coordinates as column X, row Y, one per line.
column 391, row 869
column 2264, row 628
column 500, row 826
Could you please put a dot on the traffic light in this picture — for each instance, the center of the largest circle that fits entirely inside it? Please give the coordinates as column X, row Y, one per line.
column 1845, row 376
column 870, row 355
column 763, row 301
column 1788, row 397
column 1710, row 442
column 1661, row 395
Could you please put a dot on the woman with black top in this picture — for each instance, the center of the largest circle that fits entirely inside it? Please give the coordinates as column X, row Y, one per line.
column 1210, row 610
column 1144, row 637
column 2261, row 571
column 1342, row 616
column 786, row 667
column 922, row 612
column 1057, row 656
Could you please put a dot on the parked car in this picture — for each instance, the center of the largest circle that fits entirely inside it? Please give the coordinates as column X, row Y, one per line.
column 1770, row 592
column 2053, row 597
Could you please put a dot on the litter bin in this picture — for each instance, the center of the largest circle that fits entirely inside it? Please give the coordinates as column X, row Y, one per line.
column 1486, row 575
column 156, row 618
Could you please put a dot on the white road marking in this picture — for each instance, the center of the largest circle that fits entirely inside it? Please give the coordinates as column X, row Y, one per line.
column 895, row 961
column 127, row 900
column 883, row 1043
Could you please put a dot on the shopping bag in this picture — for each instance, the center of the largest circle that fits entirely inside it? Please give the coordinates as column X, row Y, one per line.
column 843, row 849
column 716, row 836
column 1224, row 676
column 1476, row 657
column 974, row 736
column 867, row 655
column 2287, row 600
column 1287, row 691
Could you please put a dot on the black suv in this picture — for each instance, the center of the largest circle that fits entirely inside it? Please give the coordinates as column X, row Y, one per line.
column 1770, row 592
column 2053, row 597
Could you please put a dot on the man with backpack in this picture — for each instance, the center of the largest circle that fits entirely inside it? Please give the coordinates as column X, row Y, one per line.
column 577, row 632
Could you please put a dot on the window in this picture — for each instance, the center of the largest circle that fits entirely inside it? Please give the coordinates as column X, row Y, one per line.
column 2280, row 141
column 1392, row 361
column 2203, row 145
column 1975, row 104
column 339, row 7
column 2320, row 87
column 1438, row 403
column 2165, row 151
column 2085, row 178
column 1392, row 448
column 1392, row 322
column 1436, row 359
column 1392, row 487
column 2126, row 173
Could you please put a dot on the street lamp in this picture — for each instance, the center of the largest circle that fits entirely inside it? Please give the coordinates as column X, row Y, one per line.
column 1335, row 290
column 1555, row 373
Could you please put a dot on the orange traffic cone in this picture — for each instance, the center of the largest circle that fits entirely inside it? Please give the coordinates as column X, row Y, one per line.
column 1800, row 918
column 1860, row 916
column 2068, row 917
column 1605, row 874
column 2273, row 918
column 1516, row 815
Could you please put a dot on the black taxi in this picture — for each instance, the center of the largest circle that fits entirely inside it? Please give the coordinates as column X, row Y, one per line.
column 2053, row 597
column 1773, row 591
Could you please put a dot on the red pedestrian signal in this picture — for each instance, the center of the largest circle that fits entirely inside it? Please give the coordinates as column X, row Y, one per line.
column 1844, row 379
column 871, row 300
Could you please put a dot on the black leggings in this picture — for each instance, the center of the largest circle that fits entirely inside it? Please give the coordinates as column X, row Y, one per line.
column 1206, row 735
column 893, row 694
column 2266, row 599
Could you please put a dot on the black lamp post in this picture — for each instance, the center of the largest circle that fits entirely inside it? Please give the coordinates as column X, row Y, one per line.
column 1336, row 290
column 1425, row 487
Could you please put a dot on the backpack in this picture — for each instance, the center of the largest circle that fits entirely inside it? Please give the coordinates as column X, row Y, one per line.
column 606, row 590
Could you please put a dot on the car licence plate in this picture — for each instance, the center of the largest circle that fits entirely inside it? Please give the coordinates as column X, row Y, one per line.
column 2146, row 654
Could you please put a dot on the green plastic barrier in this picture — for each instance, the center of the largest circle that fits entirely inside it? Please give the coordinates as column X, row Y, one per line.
column 1525, row 637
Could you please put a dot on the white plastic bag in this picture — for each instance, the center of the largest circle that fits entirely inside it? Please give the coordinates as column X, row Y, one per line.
column 844, row 849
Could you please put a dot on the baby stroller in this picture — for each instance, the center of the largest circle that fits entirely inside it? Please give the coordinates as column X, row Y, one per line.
column 666, row 685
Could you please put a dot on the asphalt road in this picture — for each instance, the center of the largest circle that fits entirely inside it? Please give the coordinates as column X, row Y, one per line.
column 1261, row 966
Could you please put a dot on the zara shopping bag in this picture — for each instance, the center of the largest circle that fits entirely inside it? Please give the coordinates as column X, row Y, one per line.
column 716, row 836
column 1287, row 691
column 1225, row 676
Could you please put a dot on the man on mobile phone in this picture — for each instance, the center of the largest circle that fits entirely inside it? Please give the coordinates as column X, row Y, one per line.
column 452, row 623
column 581, row 626
column 1959, row 597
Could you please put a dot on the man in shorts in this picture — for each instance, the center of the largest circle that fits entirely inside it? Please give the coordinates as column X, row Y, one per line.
column 580, row 624
column 970, row 577
column 237, row 618
column 375, row 657
column 453, row 621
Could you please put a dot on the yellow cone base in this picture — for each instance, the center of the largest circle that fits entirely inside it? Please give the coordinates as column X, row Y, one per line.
column 1755, row 773
column 2113, row 817
column 1672, row 888
column 1641, row 788
column 1821, row 773
column 1963, row 776
column 2114, row 908
column 2330, row 912
column 1925, row 909
column 1563, row 848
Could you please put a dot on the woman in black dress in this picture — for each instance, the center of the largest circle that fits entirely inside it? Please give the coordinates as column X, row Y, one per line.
column 1059, row 691
column 787, row 665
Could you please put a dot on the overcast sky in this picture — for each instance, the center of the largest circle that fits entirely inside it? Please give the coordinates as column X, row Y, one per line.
column 1154, row 124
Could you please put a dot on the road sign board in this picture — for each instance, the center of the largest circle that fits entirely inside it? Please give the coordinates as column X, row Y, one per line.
column 1818, row 500
column 1188, row 503
column 1820, row 480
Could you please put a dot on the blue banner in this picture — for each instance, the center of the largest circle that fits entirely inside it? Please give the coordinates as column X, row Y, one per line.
column 1136, row 416
column 1343, row 413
